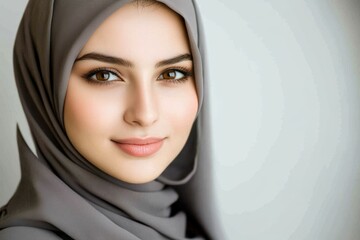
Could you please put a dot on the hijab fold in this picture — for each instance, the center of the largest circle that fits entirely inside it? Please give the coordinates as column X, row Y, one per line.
column 60, row 191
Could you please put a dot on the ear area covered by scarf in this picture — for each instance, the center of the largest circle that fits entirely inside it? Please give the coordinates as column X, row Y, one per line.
column 62, row 193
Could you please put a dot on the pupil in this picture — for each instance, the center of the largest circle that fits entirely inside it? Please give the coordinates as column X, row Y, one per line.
column 170, row 74
column 102, row 76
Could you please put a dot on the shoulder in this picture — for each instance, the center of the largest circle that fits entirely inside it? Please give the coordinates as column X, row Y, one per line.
column 29, row 233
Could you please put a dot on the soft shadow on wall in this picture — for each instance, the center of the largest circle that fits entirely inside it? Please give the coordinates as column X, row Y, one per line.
column 285, row 91
column 285, row 96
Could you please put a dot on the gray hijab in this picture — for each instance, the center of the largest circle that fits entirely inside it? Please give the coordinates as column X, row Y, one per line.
column 61, row 195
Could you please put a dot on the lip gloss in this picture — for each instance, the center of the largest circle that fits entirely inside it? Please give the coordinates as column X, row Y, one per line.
column 140, row 147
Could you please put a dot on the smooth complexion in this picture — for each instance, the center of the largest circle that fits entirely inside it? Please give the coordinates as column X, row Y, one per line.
column 131, row 99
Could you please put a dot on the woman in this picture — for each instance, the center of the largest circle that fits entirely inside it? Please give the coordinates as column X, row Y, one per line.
column 112, row 91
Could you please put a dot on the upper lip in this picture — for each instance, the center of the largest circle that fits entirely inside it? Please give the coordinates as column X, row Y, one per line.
column 139, row 141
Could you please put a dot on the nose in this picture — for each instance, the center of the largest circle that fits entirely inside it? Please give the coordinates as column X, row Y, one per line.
column 142, row 109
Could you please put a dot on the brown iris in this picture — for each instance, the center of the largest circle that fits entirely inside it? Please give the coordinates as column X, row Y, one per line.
column 170, row 74
column 102, row 76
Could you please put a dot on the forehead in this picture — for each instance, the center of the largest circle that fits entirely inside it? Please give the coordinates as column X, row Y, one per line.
column 146, row 33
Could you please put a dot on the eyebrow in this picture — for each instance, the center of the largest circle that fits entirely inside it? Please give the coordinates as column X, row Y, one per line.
column 105, row 58
column 180, row 58
column 120, row 61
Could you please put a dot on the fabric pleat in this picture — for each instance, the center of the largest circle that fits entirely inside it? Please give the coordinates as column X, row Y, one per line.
column 60, row 192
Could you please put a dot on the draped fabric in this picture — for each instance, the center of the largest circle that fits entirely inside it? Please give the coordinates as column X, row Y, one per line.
column 60, row 192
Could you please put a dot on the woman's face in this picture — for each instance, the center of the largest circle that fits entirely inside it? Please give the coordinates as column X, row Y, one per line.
column 131, row 99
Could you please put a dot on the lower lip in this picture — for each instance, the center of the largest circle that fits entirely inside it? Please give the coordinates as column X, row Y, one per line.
column 140, row 150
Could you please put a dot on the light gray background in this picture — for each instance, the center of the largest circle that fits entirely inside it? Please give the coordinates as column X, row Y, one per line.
column 285, row 94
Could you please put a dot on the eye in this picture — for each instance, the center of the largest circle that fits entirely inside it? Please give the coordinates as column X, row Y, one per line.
column 103, row 76
column 172, row 74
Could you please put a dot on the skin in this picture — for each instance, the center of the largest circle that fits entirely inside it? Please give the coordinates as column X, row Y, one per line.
column 138, row 101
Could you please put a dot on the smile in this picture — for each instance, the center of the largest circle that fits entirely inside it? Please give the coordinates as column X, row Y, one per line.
column 140, row 147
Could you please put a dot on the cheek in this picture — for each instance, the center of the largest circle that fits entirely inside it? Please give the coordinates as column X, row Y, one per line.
column 87, row 110
column 181, row 109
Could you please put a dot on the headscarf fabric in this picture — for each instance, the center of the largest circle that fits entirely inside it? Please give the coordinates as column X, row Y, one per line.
column 60, row 192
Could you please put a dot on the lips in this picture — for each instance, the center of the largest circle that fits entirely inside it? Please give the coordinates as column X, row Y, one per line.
column 140, row 147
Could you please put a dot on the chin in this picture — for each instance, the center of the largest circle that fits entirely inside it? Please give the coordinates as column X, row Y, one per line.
column 138, row 175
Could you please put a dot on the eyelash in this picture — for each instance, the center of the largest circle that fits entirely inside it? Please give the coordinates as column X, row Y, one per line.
column 91, row 73
column 183, row 70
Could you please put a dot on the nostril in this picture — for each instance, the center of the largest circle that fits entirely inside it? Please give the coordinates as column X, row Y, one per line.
column 142, row 113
